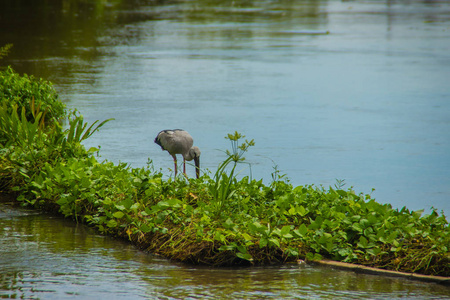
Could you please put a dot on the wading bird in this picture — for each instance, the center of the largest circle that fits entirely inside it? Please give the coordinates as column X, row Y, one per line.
column 178, row 141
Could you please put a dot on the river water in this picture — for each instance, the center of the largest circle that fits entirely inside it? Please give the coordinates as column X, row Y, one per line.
column 44, row 257
column 352, row 90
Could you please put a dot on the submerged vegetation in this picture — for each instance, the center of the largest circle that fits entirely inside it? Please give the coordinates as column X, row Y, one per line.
column 219, row 220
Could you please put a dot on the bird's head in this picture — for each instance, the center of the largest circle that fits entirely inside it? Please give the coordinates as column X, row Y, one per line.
column 194, row 153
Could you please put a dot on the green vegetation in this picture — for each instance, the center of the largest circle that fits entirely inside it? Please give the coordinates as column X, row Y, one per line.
column 217, row 221
column 4, row 51
column 27, row 92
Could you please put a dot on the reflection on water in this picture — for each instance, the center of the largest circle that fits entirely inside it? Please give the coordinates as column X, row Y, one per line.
column 51, row 258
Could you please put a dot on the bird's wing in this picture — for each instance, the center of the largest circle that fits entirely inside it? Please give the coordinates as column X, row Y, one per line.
column 163, row 137
column 175, row 141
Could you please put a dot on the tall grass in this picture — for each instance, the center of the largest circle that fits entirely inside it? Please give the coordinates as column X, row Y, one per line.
column 223, row 182
column 29, row 145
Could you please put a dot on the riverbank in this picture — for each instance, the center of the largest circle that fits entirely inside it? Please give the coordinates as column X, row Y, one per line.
column 219, row 220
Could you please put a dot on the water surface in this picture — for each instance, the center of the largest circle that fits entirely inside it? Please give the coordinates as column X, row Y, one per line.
column 328, row 89
column 45, row 257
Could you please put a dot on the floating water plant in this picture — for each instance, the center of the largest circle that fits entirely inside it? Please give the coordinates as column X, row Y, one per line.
column 219, row 221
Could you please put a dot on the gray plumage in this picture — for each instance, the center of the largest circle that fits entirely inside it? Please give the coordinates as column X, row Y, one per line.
column 178, row 141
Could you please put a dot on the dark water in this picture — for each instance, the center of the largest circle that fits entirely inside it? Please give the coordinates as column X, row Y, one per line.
column 43, row 257
column 354, row 90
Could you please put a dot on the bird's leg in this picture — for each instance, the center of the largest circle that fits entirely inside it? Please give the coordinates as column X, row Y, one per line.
column 175, row 164
column 184, row 168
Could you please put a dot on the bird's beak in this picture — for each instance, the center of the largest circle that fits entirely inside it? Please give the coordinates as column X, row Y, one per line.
column 197, row 166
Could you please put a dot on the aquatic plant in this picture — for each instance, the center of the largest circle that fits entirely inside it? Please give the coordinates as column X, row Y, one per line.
column 29, row 145
column 23, row 90
column 217, row 221
column 221, row 187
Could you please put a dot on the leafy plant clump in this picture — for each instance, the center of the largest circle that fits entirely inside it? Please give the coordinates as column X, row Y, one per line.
column 29, row 92
column 219, row 220
column 4, row 51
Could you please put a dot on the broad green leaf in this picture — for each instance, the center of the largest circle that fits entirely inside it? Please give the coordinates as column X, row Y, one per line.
column 301, row 210
column 263, row 242
column 363, row 243
column 111, row 223
column 145, row 228
column 226, row 248
column 303, row 230
column 285, row 230
column 247, row 237
column 275, row 242
column 245, row 256
column 118, row 214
